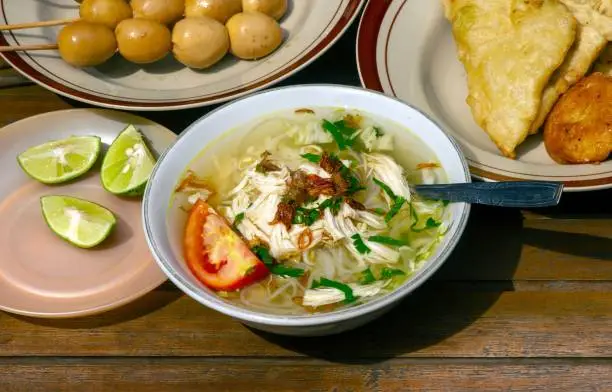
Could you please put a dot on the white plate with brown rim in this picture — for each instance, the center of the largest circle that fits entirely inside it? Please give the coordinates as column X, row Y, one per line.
column 310, row 28
column 405, row 49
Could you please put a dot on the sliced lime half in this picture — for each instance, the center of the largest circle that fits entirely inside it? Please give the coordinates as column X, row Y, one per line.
column 128, row 164
column 81, row 222
column 60, row 160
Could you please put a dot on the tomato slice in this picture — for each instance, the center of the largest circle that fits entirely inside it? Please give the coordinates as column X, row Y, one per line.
column 216, row 255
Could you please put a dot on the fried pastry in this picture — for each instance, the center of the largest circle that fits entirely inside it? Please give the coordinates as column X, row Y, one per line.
column 510, row 50
column 588, row 46
column 579, row 128
column 604, row 62
column 594, row 13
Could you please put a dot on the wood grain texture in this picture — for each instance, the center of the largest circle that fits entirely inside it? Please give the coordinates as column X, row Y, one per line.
column 236, row 375
column 433, row 322
column 504, row 244
column 524, row 303
column 18, row 103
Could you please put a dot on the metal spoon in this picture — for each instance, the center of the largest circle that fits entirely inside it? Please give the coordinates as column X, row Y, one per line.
column 502, row 194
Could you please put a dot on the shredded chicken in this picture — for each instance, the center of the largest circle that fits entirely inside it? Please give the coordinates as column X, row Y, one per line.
column 198, row 195
column 325, row 296
column 338, row 226
column 270, row 211
column 382, row 253
column 272, row 182
column 385, row 169
column 310, row 168
column 375, row 221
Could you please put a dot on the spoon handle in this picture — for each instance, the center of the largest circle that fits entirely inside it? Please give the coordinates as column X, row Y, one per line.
column 503, row 194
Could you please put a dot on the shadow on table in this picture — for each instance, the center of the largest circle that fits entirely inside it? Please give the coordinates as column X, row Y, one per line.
column 140, row 307
column 591, row 206
column 577, row 244
column 452, row 300
column 585, row 205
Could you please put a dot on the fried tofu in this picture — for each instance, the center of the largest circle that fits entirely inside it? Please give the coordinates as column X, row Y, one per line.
column 510, row 49
column 579, row 128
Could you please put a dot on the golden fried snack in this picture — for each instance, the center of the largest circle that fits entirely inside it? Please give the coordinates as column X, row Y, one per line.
column 510, row 50
column 579, row 128
column 589, row 44
column 604, row 62
column 594, row 13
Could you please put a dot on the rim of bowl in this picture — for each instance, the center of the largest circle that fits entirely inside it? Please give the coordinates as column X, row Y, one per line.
column 214, row 302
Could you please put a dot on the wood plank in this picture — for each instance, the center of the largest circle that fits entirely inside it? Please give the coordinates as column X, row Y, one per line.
column 25, row 101
column 31, row 100
column 503, row 244
column 225, row 374
column 433, row 322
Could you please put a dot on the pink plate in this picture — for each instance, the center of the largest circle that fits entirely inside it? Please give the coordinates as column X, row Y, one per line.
column 40, row 274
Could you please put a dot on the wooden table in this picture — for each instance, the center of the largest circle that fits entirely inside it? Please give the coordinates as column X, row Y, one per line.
column 524, row 303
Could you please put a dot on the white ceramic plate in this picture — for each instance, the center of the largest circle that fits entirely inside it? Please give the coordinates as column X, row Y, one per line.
column 311, row 27
column 40, row 274
column 405, row 49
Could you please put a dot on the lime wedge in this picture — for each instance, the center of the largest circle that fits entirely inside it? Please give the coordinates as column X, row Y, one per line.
column 60, row 160
column 128, row 164
column 82, row 223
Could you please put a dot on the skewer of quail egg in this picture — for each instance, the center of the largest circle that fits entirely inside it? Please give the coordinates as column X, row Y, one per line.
column 199, row 33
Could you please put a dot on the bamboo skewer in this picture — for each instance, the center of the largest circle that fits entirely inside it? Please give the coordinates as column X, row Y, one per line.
column 20, row 48
column 19, row 26
column 29, row 25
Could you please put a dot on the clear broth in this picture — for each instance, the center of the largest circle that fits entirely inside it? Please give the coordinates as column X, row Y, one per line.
column 215, row 165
